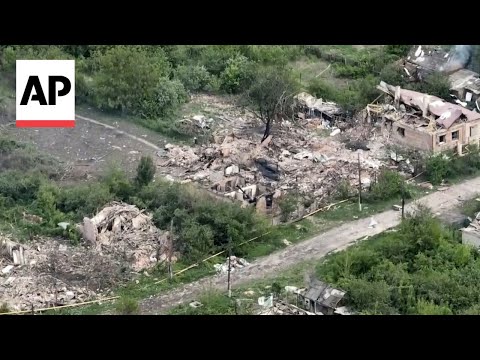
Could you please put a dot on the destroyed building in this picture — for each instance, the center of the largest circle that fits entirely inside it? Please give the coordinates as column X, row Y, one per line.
column 306, row 156
column 464, row 83
column 425, row 122
column 471, row 234
column 321, row 297
column 318, row 108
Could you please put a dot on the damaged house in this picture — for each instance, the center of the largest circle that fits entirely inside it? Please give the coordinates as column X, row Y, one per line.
column 464, row 83
column 321, row 298
column 426, row 122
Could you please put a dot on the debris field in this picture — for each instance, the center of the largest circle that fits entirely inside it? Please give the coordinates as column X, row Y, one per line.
column 119, row 242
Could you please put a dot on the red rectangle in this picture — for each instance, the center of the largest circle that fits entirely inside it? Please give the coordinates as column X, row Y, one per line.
column 45, row 123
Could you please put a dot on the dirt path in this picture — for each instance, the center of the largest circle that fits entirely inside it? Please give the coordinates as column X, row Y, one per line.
column 120, row 132
column 314, row 248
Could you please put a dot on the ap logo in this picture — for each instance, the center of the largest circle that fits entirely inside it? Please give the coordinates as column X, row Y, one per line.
column 45, row 93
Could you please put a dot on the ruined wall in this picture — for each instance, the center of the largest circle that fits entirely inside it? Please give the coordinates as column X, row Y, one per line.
column 447, row 139
column 407, row 136
column 472, row 131
column 469, row 238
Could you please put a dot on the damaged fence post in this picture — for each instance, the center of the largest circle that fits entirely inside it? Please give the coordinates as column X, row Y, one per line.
column 229, row 267
column 359, row 185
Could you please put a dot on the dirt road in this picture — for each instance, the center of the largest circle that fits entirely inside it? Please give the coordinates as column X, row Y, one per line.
column 314, row 248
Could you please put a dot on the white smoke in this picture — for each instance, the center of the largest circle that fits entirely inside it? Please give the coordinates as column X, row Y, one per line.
column 460, row 58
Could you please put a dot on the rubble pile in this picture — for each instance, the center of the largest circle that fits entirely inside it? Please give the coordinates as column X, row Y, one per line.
column 235, row 263
column 120, row 241
column 126, row 232
column 53, row 274
column 293, row 157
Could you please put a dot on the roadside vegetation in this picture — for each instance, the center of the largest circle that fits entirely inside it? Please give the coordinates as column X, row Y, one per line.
column 418, row 268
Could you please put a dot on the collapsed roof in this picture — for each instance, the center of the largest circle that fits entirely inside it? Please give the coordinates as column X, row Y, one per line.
column 324, row 294
column 312, row 103
column 445, row 114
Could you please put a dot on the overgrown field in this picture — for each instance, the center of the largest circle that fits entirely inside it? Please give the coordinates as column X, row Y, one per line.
column 150, row 84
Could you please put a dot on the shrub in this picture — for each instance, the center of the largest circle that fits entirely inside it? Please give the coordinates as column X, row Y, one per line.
column 344, row 190
column 127, row 306
column 237, row 74
column 389, row 185
column 118, row 183
column 145, row 171
column 288, row 205
column 83, row 200
column 398, row 50
column 437, row 84
column 193, row 78
column 165, row 100
column 437, row 168
column 4, row 308
column 215, row 57
column 31, row 52
column 18, row 186
column 125, row 76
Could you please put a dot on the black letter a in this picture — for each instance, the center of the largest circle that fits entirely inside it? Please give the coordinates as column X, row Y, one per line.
column 33, row 82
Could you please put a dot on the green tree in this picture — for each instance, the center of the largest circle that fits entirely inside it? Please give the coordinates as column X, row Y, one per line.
column 271, row 96
column 237, row 75
column 145, row 171
column 125, row 76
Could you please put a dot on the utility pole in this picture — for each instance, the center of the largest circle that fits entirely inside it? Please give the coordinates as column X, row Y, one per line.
column 170, row 250
column 229, row 288
column 403, row 200
column 359, row 184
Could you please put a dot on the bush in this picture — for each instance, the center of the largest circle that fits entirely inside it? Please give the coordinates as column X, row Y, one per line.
column 125, row 76
column 164, row 101
column 193, row 78
column 83, row 200
column 237, row 75
column 30, row 52
column 398, row 50
column 118, row 184
column 145, row 171
column 437, row 84
column 288, row 205
column 127, row 306
column 18, row 186
column 4, row 308
column 215, row 58
column 389, row 185
column 437, row 167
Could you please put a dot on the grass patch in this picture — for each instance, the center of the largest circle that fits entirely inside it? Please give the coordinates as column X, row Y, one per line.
column 127, row 306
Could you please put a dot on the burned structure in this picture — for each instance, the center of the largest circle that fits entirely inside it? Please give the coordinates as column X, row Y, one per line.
column 423, row 121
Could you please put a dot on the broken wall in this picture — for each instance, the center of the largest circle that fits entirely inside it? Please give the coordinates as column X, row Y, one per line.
column 404, row 134
column 471, row 238
column 447, row 139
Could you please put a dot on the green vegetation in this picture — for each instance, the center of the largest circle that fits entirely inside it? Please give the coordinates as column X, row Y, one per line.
column 145, row 171
column 421, row 268
column 4, row 308
column 127, row 306
column 449, row 166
